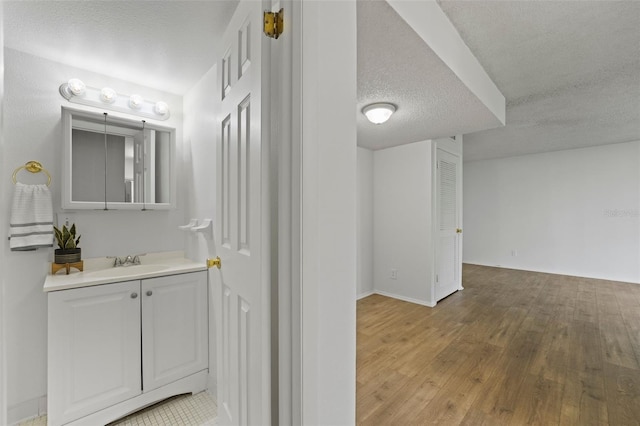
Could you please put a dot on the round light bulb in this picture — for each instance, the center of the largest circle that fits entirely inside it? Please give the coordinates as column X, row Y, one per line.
column 378, row 113
column 161, row 108
column 108, row 95
column 135, row 101
column 76, row 86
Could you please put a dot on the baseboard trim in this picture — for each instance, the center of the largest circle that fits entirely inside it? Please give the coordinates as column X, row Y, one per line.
column 365, row 294
column 27, row 410
column 427, row 303
column 541, row 271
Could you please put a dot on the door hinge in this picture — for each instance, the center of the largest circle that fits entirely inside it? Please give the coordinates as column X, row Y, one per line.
column 437, row 278
column 273, row 23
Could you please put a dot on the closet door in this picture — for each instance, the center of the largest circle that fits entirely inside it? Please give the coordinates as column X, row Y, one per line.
column 448, row 224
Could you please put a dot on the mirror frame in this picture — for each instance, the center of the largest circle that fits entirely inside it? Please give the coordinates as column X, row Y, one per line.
column 67, row 172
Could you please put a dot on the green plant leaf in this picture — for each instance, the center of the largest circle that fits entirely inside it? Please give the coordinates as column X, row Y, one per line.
column 66, row 237
column 58, row 234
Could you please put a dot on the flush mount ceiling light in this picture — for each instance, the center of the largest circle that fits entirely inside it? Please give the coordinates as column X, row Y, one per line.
column 379, row 112
column 77, row 92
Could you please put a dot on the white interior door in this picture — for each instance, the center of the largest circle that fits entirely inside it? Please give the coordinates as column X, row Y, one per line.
column 449, row 227
column 242, row 222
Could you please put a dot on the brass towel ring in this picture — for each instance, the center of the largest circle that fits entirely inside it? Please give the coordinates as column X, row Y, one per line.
column 33, row 167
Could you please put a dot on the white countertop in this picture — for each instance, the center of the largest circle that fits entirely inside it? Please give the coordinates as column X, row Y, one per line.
column 101, row 271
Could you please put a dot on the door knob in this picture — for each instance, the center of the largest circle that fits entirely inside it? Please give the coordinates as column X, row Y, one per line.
column 217, row 262
column 458, row 230
column 149, row 293
column 134, row 295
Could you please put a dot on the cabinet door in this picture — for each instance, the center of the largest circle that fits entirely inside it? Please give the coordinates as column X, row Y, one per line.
column 94, row 349
column 174, row 328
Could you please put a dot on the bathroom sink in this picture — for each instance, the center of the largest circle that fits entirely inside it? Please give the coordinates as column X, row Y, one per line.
column 125, row 271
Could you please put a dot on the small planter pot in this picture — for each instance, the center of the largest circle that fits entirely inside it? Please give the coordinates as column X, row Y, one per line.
column 63, row 256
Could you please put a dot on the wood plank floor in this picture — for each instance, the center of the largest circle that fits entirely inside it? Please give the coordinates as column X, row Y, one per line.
column 514, row 347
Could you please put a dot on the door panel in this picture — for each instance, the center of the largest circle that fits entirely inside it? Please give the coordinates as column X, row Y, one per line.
column 242, row 203
column 448, row 206
column 94, row 349
column 174, row 328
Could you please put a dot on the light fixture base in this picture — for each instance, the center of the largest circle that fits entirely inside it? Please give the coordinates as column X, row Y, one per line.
column 120, row 102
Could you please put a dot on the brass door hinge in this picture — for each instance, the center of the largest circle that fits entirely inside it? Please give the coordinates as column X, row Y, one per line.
column 273, row 23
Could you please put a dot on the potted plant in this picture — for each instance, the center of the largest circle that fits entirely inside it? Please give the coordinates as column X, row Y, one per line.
column 69, row 252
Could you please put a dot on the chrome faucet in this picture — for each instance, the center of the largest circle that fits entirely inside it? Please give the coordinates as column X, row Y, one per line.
column 128, row 260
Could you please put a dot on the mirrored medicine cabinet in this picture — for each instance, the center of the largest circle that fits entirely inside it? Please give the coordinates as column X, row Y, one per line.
column 120, row 163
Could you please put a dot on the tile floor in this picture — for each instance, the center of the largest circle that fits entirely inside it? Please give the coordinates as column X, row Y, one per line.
column 188, row 410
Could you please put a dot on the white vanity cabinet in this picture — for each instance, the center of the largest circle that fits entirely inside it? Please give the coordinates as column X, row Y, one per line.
column 115, row 348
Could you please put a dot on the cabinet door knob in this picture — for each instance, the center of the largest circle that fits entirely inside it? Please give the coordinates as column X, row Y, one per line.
column 149, row 293
column 134, row 295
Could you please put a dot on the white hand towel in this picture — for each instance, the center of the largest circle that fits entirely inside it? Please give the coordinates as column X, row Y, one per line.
column 31, row 223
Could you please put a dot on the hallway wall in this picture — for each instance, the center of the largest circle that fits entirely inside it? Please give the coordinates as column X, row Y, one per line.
column 328, row 215
column 402, row 221
column 364, row 214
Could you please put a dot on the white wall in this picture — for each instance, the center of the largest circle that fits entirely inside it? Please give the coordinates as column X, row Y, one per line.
column 364, row 218
column 402, row 221
column 574, row 212
column 32, row 131
column 329, row 93
column 3, row 247
column 200, row 175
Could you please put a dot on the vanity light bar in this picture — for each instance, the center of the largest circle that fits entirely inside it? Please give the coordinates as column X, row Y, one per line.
column 77, row 92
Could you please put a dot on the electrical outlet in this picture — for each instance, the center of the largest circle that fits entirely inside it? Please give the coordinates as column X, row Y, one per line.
column 514, row 253
column 67, row 219
column 394, row 274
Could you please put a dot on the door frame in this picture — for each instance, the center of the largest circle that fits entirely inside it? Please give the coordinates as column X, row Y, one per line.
column 4, row 218
column 316, row 246
column 286, row 188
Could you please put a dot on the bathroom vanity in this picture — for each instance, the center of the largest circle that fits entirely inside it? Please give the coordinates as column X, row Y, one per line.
column 120, row 339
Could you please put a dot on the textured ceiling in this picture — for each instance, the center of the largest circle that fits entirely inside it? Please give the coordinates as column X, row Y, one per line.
column 395, row 65
column 161, row 44
column 570, row 72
